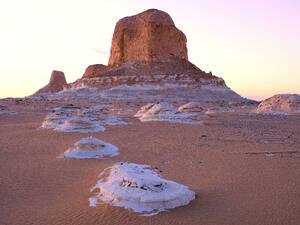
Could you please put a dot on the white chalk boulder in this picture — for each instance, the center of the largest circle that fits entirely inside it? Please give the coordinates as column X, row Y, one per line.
column 91, row 147
column 139, row 188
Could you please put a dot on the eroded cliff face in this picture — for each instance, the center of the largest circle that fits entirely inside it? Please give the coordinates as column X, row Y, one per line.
column 148, row 36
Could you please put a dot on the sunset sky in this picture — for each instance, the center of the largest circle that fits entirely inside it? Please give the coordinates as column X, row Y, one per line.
column 253, row 45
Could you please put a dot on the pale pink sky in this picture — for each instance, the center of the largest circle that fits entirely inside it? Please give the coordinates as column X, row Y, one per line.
column 253, row 45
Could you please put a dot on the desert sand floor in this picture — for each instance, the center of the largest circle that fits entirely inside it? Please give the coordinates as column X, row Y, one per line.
column 232, row 186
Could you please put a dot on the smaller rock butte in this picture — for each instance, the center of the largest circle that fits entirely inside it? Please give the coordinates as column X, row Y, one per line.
column 57, row 83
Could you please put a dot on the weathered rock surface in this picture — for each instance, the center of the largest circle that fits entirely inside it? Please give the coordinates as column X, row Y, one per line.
column 280, row 104
column 57, row 83
column 147, row 49
column 148, row 36
column 95, row 69
column 148, row 63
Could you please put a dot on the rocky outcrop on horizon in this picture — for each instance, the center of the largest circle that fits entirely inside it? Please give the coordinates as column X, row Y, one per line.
column 280, row 104
column 57, row 83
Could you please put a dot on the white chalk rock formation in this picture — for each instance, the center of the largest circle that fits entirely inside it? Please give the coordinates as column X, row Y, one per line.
column 160, row 111
column 80, row 119
column 280, row 104
column 164, row 112
column 136, row 187
column 191, row 107
column 87, row 148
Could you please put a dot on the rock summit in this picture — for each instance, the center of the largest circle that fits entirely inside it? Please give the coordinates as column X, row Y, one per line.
column 148, row 36
column 57, row 83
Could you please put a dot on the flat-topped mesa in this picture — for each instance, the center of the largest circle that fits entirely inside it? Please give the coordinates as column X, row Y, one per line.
column 148, row 36
column 57, row 83
column 147, row 44
column 149, row 63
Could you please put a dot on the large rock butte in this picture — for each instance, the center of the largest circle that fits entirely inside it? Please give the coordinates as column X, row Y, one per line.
column 147, row 44
column 148, row 36
column 57, row 83
column 148, row 63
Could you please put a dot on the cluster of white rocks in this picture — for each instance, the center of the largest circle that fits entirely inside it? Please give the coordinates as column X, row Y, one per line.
column 80, row 119
column 167, row 112
column 129, row 185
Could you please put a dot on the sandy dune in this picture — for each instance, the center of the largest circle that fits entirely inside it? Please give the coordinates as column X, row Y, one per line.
column 232, row 186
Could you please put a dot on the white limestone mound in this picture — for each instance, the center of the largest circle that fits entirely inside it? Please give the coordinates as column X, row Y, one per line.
column 139, row 188
column 280, row 104
column 221, row 110
column 159, row 111
column 191, row 107
column 80, row 119
column 164, row 112
column 79, row 124
column 87, row 148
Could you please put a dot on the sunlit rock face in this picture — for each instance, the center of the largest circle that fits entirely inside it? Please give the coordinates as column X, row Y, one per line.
column 147, row 36
column 280, row 104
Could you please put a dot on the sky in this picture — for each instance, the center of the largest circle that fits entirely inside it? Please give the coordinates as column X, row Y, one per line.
column 253, row 45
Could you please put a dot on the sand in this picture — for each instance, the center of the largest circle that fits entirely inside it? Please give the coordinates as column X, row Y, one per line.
column 232, row 187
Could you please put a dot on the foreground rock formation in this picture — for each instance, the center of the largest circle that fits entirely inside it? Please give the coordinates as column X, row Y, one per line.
column 280, row 104
column 134, row 186
column 57, row 83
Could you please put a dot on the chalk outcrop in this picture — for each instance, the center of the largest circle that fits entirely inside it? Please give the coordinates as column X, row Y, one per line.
column 148, row 36
column 91, row 148
column 280, row 104
column 166, row 112
column 57, row 83
column 4, row 109
column 137, row 187
column 70, row 118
